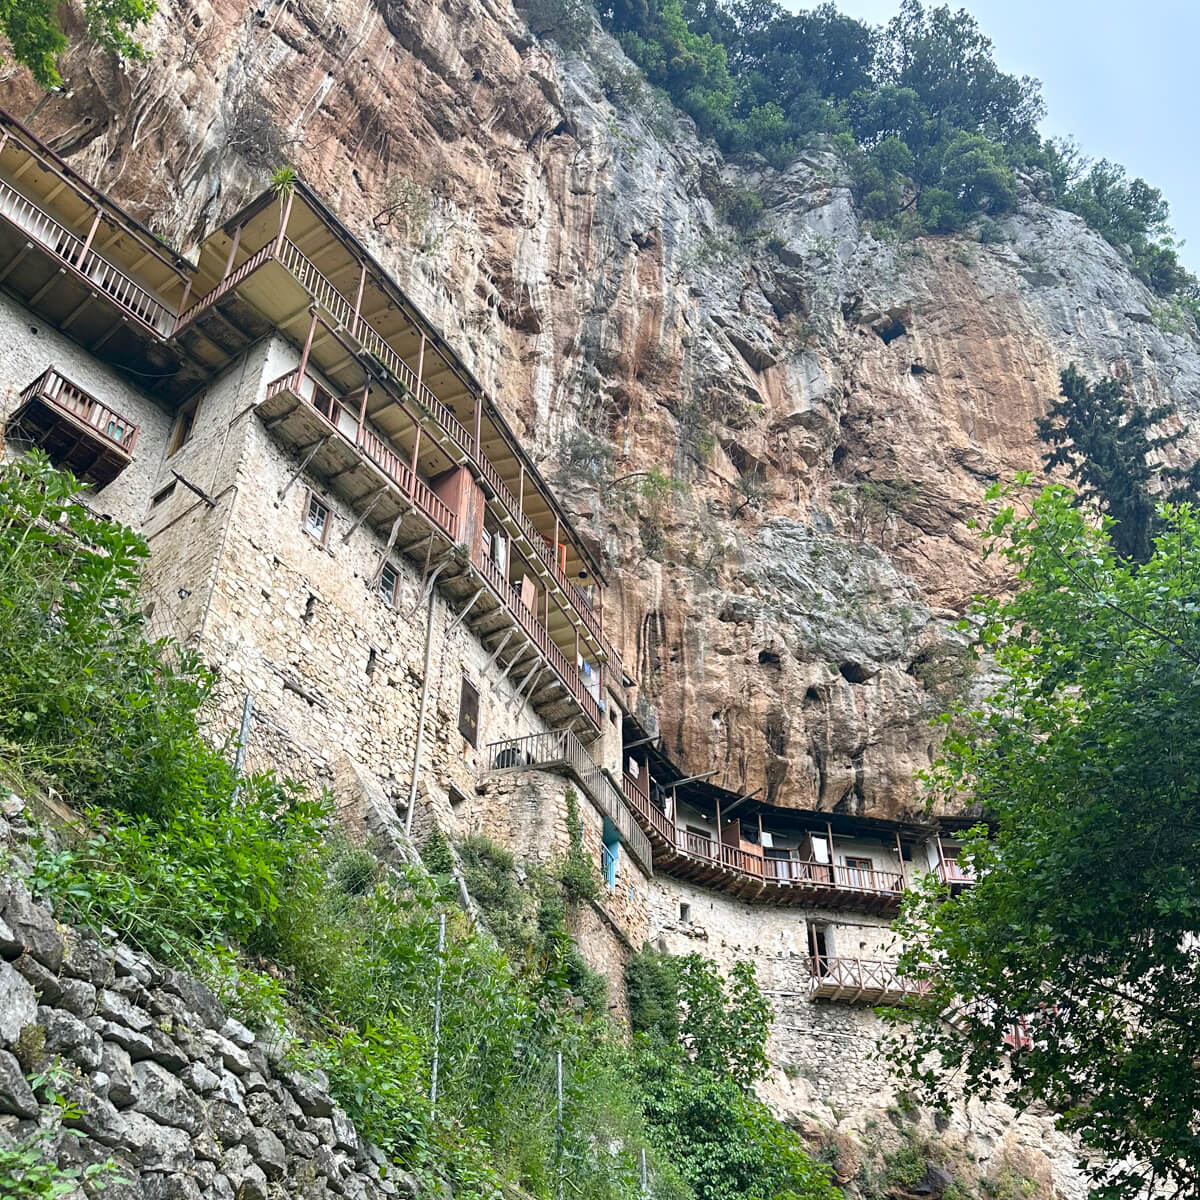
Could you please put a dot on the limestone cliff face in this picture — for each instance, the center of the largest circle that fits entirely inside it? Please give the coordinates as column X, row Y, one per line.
column 828, row 406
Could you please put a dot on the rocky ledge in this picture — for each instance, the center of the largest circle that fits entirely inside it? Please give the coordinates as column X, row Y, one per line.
column 154, row 1078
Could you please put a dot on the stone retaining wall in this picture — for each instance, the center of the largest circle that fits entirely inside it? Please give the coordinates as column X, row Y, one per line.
column 184, row 1101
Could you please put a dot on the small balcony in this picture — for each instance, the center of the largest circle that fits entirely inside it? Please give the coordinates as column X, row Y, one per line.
column 562, row 751
column 954, row 874
column 74, row 428
column 862, row 981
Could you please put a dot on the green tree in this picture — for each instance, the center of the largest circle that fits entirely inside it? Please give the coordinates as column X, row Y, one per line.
column 37, row 39
column 700, row 1048
column 1130, row 214
column 1080, row 935
column 1107, row 446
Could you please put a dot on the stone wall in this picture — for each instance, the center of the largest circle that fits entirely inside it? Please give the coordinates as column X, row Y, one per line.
column 30, row 346
column 183, row 1101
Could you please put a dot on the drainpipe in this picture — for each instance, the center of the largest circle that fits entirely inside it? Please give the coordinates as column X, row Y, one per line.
column 416, row 769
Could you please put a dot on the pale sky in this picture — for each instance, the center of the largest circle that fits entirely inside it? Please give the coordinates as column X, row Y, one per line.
column 1120, row 77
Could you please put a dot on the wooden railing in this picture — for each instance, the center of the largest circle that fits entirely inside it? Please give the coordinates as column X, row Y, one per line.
column 510, row 595
column 97, row 271
column 809, row 871
column 374, row 448
column 777, row 871
column 745, row 861
column 872, row 977
column 563, row 750
column 59, row 391
column 256, row 260
column 650, row 813
column 950, row 871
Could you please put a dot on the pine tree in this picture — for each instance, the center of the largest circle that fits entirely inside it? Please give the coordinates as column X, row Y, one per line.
column 1106, row 444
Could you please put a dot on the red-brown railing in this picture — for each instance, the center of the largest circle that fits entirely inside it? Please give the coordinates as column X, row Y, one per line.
column 855, row 879
column 562, row 749
column 374, row 448
column 59, row 391
column 650, row 813
column 256, row 260
column 67, row 247
column 950, row 871
column 742, row 860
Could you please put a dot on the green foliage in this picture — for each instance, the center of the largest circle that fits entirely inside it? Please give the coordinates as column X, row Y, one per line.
column 283, row 180
column 1130, row 214
column 36, row 38
column 932, row 132
column 568, row 22
column 1109, row 446
column 28, row 1170
column 578, row 872
column 652, row 987
column 83, row 697
column 701, row 1048
column 1083, row 922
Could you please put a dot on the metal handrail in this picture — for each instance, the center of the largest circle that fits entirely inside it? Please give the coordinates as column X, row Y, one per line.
column 561, row 748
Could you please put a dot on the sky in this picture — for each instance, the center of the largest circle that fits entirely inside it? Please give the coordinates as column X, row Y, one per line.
column 1119, row 76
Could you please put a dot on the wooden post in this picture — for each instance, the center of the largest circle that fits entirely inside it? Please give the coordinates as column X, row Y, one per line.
column 362, row 413
column 187, row 292
column 233, row 249
column 900, row 856
column 284, row 217
column 87, row 245
column 362, row 279
column 478, row 422
column 421, row 366
column 416, row 452
column 521, row 490
column 555, row 547
column 832, row 860
column 312, row 328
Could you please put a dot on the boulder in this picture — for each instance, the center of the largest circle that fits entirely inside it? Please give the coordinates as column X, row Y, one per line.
column 18, row 1004
column 16, row 1096
column 163, row 1097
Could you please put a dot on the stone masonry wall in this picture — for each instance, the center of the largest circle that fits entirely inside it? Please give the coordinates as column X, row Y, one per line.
column 182, row 1100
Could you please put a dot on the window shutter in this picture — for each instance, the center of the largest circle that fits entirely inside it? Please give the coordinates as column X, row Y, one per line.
column 468, row 712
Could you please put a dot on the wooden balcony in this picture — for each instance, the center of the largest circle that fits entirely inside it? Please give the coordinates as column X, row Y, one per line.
column 954, row 875
column 862, row 981
column 333, row 440
column 309, row 264
column 81, row 264
column 749, row 876
column 561, row 751
column 74, row 428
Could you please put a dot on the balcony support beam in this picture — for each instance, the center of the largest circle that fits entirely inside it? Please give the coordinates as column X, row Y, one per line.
column 308, row 457
column 362, row 516
column 491, row 662
column 15, row 261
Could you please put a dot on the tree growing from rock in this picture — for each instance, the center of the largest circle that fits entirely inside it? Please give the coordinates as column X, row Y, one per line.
column 1108, row 447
